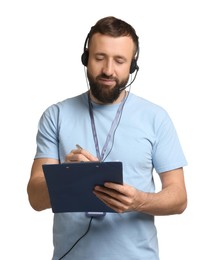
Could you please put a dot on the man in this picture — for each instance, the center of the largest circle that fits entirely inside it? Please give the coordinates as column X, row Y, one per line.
column 111, row 124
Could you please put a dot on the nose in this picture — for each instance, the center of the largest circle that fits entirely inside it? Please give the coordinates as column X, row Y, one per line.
column 108, row 67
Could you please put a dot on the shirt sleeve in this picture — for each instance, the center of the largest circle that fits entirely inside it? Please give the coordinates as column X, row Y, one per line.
column 167, row 150
column 47, row 135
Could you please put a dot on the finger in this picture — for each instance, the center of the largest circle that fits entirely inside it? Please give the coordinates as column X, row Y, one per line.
column 111, row 202
column 120, row 193
column 73, row 157
column 86, row 154
column 111, row 194
column 119, row 188
column 80, row 154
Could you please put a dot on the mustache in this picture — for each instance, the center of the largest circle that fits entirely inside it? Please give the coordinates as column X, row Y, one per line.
column 104, row 76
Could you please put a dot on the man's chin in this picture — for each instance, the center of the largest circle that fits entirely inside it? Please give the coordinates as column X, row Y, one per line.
column 107, row 85
column 106, row 97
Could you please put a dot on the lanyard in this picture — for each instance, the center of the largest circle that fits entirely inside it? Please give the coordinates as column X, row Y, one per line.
column 111, row 132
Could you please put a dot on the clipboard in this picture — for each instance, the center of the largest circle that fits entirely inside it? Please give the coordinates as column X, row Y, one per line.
column 70, row 185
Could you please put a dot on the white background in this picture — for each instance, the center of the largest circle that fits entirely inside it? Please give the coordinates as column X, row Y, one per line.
column 41, row 43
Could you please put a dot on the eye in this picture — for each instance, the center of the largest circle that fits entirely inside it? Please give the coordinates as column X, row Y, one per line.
column 99, row 57
column 120, row 60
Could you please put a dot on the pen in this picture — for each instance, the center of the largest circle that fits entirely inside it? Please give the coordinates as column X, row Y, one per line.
column 79, row 147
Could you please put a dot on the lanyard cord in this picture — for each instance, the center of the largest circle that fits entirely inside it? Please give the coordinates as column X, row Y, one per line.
column 111, row 132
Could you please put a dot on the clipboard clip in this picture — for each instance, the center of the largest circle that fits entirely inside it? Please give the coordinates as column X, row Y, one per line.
column 95, row 214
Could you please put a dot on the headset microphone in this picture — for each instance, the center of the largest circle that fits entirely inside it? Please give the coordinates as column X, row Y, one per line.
column 122, row 88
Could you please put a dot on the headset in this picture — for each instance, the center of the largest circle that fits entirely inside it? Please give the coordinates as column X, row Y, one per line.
column 85, row 56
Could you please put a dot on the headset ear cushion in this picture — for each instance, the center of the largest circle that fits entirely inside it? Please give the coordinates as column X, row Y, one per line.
column 133, row 66
column 85, row 57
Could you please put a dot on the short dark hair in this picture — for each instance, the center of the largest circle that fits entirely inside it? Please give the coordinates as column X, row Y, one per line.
column 114, row 27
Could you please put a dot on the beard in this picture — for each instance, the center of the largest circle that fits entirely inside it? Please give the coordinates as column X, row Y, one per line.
column 103, row 93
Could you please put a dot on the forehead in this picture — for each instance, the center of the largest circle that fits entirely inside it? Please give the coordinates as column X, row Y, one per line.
column 122, row 46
